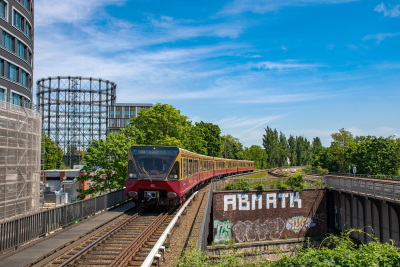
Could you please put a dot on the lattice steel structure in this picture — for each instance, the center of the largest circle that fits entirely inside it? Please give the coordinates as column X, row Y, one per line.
column 74, row 110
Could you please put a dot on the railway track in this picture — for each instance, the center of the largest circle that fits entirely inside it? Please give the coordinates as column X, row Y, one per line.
column 108, row 249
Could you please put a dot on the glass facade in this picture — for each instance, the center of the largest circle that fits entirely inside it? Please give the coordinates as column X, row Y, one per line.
column 24, row 78
column 16, row 99
column 120, row 115
column 3, row 9
column 8, row 41
column 18, row 21
column 21, row 49
column 2, row 95
column 12, row 72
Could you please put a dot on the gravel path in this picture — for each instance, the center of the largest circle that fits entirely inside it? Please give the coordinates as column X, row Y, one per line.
column 185, row 235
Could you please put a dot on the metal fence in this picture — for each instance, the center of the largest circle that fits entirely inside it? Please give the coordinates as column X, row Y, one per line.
column 260, row 183
column 392, row 177
column 378, row 189
column 204, row 228
column 24, row 229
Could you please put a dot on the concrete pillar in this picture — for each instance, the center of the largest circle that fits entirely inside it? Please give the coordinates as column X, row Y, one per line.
column 376, row 211
column 395, row 219
column 361, row 216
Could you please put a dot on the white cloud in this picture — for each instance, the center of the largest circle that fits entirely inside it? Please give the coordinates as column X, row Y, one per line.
column 71, row 11
column 233, row 122
column 394, row 12
column 264, row 6
column 289, row 64
column 380, row 36
column 284, row 48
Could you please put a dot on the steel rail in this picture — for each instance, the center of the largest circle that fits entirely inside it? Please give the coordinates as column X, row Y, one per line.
column 135, row 246
column 98, row 240
column 150, row 258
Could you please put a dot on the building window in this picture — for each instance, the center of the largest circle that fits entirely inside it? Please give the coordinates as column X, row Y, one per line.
column 26, row 4
column 126, row 112
column 18, row 21
column 29, row 57
column 24, row 78
column 112, row 113
column 131, row 112
column 8, row 41
column 2, row 95
column 119, row 112
column 21, row 49
column 26, row 103
column 3, row 9
column 16, row 99
column 12, row 72
column 28, row 30
column 1, row 67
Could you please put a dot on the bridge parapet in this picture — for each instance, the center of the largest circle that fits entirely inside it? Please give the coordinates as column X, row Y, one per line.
column 374, row 188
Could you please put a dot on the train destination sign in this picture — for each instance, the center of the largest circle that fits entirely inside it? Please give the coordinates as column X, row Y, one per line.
column 151, row 151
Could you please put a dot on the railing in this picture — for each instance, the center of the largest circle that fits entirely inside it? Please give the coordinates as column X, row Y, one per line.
column 377, row 189
column 204, row 228
column 260, row 183
column 16, row 232
column 392, row 177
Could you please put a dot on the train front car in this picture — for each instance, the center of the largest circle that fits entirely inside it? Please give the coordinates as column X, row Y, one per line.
column 153, row 175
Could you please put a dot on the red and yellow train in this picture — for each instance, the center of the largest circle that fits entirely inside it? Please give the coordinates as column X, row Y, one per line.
column 160, row 175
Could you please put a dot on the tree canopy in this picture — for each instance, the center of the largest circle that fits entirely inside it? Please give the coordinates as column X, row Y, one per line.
column 53, row 154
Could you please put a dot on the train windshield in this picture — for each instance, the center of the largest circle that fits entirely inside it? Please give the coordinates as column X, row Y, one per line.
column 154, row 162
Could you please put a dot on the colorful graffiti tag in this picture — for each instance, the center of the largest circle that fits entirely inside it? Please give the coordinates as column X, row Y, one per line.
column 223, row 231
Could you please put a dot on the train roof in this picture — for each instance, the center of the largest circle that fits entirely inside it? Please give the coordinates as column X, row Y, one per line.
column 195, row 154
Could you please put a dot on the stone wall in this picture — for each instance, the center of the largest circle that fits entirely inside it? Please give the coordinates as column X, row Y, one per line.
column 267, row 215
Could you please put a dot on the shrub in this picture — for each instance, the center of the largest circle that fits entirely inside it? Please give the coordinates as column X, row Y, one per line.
column 296, row 181
column 322, row 172
column 242, row 184
column 258, row 186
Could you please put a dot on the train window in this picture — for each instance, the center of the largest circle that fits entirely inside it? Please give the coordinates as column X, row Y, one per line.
column 184, row 168
column 190, row 172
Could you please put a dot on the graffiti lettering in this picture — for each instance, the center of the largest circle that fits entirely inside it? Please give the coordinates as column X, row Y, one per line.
column 243, row 201
column 295, row 224
column 223, row 231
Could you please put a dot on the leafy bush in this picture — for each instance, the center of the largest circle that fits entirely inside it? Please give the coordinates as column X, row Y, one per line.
column 296, row 181
column 322, row 172
column 334, row 251
column 258, row 186
column 382, row 176
column 228, row 187
column 242, row 184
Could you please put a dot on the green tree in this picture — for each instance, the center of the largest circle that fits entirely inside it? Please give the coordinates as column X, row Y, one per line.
column 53, row 154
column 232, row 148
column 162, row 125
column 108, row 160
column 303, row 151
column 212, row 137
column 375, row 156
column 271, row 146
column 316, row 143
column 283, row 150
column 341, row 142
column 292, row 150
column 256, row 154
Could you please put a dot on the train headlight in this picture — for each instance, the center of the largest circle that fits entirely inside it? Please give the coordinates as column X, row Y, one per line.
column 171, row 176
column 171, row 194
column 175, row 176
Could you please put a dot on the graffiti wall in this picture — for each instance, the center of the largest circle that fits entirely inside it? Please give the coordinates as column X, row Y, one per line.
column 268, row 215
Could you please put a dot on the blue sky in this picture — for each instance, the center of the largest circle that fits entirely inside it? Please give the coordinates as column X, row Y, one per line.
column 305, row 67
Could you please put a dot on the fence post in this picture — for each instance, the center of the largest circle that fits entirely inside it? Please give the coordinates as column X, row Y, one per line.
column 394, row 194
column 383, row 189
column 374, row 188
column 264, row 184
column 82, row 209
column 249, row 183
